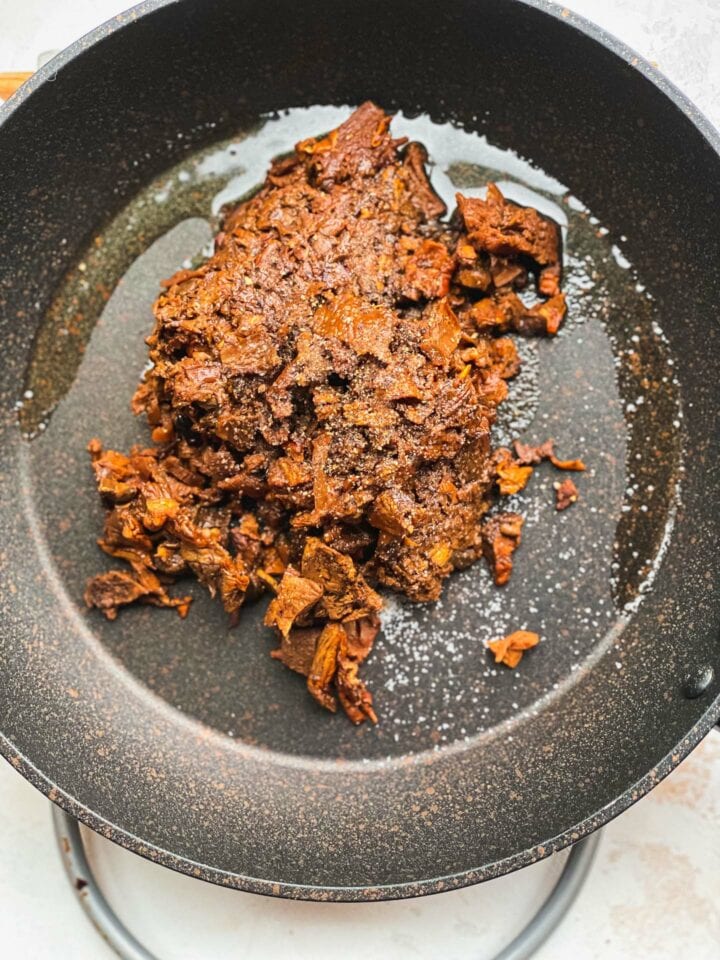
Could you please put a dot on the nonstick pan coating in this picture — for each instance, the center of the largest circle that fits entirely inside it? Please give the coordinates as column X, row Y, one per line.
column 183, row 741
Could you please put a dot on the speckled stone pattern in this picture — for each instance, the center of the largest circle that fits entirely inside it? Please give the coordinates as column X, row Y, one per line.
column 309, row 822
column 652, row 891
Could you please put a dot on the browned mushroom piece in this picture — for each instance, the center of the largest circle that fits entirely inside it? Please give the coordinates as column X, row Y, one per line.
column 509, row 650
column 321, row 397
column 566, row 493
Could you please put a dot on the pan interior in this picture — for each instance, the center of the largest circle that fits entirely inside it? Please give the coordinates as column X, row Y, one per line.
column 604, row 389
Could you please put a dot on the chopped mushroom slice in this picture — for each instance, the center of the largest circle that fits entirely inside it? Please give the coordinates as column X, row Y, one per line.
column 296, row 596
column 500, row 539
column 324, row 666
column 527, row 454
column 508, row 230
column 566, row 493
column 116, row 588
column 297, row 649
column 356, row 699
column 320, row 397
column 567, row 464
column 511, row 476
column 509, row 650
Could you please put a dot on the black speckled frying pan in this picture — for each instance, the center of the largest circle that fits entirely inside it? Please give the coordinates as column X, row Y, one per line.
column 184, row 741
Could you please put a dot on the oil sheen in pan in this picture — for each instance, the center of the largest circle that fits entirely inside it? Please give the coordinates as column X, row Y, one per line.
column 598, row 388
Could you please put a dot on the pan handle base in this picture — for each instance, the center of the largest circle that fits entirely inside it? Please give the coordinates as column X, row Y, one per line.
column 88, row 892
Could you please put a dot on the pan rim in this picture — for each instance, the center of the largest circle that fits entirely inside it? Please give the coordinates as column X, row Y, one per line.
column 364, row 894
column 666, row 765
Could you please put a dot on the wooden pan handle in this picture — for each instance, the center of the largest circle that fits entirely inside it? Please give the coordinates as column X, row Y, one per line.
column 9, row 82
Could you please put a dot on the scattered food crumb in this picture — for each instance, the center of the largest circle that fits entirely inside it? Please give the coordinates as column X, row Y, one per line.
column 509, row 650
column 527, row 454
column 566, row 493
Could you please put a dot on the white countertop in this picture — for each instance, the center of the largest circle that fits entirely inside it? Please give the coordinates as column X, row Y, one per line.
column 654, row 890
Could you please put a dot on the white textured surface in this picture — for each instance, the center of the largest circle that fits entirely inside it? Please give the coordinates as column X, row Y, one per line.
column 654, row 892
column 655, row 888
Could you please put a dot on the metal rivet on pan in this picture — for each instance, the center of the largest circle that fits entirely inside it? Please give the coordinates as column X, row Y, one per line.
column 696, row 683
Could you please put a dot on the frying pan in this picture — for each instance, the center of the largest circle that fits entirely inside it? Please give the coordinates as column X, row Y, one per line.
column 184, row 741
